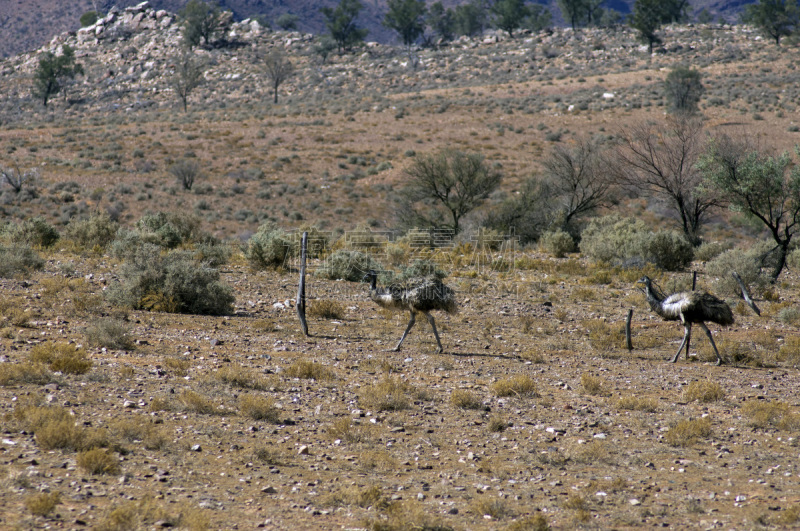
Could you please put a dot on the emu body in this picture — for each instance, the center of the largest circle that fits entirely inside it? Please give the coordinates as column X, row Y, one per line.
column 689, row 307
column 418, row 295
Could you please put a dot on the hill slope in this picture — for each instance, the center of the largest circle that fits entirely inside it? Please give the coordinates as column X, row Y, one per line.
column 29, row 24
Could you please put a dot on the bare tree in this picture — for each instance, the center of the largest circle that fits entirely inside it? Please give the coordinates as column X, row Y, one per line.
column 661, row 159
column 576, row 181
column 279, row 68
column 187, row 76
column 186, row 171
column 16, row 178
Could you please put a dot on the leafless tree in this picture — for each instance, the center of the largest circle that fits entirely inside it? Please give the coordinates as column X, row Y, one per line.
column 661, row 158
column 186, row 171
column 279, row 68
column 17, row 178
column 187, row 76
column 577, row 181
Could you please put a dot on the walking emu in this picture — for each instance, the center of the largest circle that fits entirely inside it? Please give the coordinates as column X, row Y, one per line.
column 689, row 307
column 423, row 294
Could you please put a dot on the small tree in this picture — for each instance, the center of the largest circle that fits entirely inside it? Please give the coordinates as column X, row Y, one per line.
column 509, row 14
column 53, row 73
column 539, row 18
column 775, row 18
column 447, row 184
column 16, row 178
column 187, row 76
column 406, row 17
column 88, row 18
column 647, row 18
column 764, row 187
column 441, row 21
column 660, row 159
column 573, row 11
column 683, row 88
column 202, row 21
column 287, row 21
column 341, row 23
column 576, row 181
column 279, row 69
column 186, row 171
column 470, row 18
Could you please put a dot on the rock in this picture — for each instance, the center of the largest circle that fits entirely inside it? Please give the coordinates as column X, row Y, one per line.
column 303, row 450
column 269, row 490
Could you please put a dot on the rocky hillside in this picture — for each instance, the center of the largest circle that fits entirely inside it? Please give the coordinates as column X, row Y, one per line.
column 30, row 24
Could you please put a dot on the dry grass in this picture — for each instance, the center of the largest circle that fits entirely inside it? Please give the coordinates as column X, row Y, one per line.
column 42, row 503
column 371, row 497
column 194, row 402
column 519, row 386
column 635, row 403
column 494, row 508
column 594, row 385
column 773, row 414
column 61, row 357
column 25, row 373
column 259, row 407
column 241, row 377
column 98, row 461
column 310, row 370
column 391, row 394
column 463, row 399
column 346, row 430
column 326, row 309
column 687, row 432
column 703, row 391
column 404, row 516
column 537, row 522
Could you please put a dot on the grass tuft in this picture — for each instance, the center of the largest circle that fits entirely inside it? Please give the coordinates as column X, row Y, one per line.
column 98, row 461
column 703, row 391
column 520, row 386
column 42, row 503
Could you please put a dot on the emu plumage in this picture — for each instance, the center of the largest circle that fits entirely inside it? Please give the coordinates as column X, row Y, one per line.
column 416, row 295
column 689, row 307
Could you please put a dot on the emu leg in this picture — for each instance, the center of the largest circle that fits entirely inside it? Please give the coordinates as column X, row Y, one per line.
column 435, row 332
column 688, row 340
column 686, row 334
column 713, row 345
column 410, row 324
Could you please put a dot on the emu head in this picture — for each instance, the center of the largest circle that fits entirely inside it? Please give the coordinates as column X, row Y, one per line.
column 372, row 276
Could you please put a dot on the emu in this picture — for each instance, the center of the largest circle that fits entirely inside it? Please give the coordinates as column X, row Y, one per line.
column 689, row 307
column 423, row 294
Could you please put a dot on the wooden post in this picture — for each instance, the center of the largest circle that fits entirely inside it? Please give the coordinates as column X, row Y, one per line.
column 628, row 342
column 745, row 293
column 300, row 303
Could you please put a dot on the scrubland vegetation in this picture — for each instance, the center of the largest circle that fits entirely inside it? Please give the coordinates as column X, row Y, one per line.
column 153, row 372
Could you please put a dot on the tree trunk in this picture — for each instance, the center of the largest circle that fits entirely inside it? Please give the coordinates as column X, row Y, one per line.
column 783, row 250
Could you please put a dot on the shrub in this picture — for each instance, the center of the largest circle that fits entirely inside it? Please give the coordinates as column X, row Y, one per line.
column 259, row 408
column 196, row 403
column 96, row 232
column 186, row 171
column 709, row 250
column 309, row 370
column 686, row 432
column 683, row 88
column 174, row 282
column 594, row 386
column 325, row 309
column 61, row 357
column 35, row 232
column 17, row 260
column 21, row 373
column 169, row 229
column 463, row 399
column 392, row 394
column 88, row 18
column 557, row 243
column 615, row 239
column 747, row 263
column 703, row 391
column 348, row 265
column 98, row 461
column 521, row 386
column 635, row 403
column 110, row 333
column 241, row 377
column 42, row 503
column 771, row 414
column 269, row 248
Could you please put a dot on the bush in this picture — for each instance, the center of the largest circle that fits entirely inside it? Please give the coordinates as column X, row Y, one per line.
column 42, row 503
column 709, row 250
column 96, row 232
column 88, row 18
column 269, row 248
column 110, row 333
column 683, row 89
column 747, row 263
column 61, row 357
column 615, row 239
column 186, row 171
column 18, row 259
column 557, row 243
column 175, row 282
column 348, row 265
column 169, row 229
column 98, row 461
column 35, row 232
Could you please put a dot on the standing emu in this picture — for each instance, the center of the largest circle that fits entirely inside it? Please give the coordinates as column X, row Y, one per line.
column 689, row 307
column 415, row 295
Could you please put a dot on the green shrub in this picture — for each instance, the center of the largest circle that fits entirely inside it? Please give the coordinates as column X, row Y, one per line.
column 174, row 282
column 709, row 250
column 616, row 239
column 18, row 259
column 169, row 229
column 88, row 18
column 269, row 248
column 557, row 243
column 110, row 333
column 35, row 232
column 747, row 263
column 97, row 231
column 348, row 265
